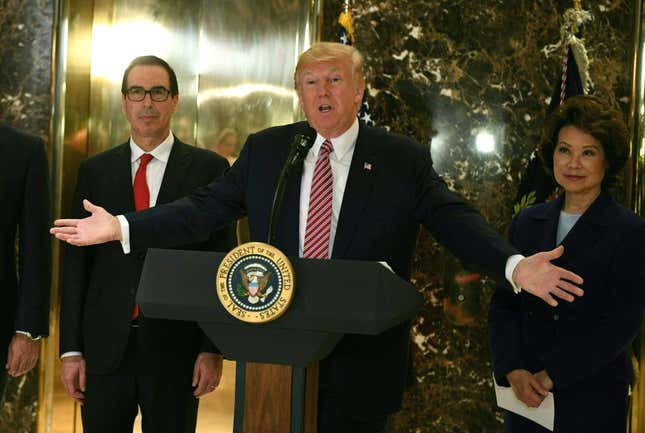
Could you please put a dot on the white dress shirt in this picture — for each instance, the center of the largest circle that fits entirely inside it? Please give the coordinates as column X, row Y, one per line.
column 156, row 167
column 154, row 176
column 339, row 160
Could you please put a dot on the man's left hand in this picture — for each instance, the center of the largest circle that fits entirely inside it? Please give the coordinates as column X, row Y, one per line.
column 538, row 276
column 207, row 373
column 23, row 355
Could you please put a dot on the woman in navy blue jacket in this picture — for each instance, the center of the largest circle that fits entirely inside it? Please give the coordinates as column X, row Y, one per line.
column 581, row 350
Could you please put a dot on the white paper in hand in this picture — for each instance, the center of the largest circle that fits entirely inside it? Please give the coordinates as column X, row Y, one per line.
column 543, row 414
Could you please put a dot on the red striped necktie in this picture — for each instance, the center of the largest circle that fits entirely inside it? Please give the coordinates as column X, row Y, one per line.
column 316, row 244
column 141, row 197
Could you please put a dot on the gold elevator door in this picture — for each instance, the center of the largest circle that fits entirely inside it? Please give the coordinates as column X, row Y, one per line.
column 234, row 61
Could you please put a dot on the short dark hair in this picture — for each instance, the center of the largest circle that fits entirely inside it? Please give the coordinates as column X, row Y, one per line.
column 596, row 118
column 151, row 61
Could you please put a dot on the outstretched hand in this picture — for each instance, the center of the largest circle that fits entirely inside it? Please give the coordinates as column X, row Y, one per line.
column 98, row 228
column 538, row 276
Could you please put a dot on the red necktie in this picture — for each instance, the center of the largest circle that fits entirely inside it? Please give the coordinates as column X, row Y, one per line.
column 316, row 244
column 140, row 186
column 141, row 197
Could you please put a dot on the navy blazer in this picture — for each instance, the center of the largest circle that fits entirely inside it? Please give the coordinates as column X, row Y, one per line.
column 24, row 189
column 391, row 189
column 584, row 345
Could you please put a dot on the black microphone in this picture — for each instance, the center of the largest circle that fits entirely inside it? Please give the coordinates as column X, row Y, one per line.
column 297, row 152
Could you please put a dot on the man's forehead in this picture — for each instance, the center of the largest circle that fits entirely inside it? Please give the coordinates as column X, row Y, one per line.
column 148, row 74
column 324, row 66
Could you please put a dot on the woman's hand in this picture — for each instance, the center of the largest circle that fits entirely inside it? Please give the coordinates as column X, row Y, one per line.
column 527, row 387
column 544, row 379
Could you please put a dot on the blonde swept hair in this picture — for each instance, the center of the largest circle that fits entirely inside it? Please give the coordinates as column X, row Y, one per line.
column 331, row 51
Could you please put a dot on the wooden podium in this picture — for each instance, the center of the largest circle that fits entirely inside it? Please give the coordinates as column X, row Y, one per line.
column 276, row 378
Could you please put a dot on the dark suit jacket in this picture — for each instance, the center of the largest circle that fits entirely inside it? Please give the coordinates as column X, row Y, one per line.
column 379, row 220
column 100, row 282
column 24, row 190
column 584, row 345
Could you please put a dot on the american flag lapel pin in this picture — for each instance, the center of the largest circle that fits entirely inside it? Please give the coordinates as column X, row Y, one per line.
column 367, row 166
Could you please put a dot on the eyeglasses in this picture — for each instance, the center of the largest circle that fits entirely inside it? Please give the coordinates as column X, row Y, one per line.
column 138, row 94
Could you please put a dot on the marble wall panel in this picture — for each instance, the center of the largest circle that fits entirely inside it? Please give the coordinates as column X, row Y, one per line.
column 25, row 50
column 443, row 71
column 440, row 71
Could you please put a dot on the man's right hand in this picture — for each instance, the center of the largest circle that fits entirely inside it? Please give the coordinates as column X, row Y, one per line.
column 538, row 276
column 526, row 387
column 98, row 228
column 73, row 377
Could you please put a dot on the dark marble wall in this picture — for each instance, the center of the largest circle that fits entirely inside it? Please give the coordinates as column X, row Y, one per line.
column 25, row 53
column 442, row 71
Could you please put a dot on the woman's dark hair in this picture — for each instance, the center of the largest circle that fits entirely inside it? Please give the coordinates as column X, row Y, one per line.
column 595, row 117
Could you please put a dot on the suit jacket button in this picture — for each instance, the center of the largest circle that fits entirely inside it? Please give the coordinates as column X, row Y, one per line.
column 556, row 317
column 133, row 291
column 142, row 255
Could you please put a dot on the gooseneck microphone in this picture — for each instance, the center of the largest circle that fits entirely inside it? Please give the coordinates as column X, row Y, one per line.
column 297, row 152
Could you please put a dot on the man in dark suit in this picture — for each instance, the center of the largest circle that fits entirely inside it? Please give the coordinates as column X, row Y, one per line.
column 116, row 360
column 24, row 280
column 382, row 187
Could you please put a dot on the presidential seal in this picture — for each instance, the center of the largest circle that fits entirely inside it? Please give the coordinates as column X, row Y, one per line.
column 255, row 282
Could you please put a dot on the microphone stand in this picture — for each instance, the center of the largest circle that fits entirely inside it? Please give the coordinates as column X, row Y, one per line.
column 299, row 148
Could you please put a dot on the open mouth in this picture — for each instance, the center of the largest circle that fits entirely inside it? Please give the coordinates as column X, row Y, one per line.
column 324, row 108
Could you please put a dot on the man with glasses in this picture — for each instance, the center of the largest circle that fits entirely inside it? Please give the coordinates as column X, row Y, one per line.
column 116, row 360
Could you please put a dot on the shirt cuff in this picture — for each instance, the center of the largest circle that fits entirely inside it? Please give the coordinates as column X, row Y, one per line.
column 72, row 353
column 125, row 233
column 511, row 264
column 29, row 335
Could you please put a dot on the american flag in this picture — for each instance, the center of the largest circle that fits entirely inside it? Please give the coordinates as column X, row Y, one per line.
column 346, row 37
column 537, row 185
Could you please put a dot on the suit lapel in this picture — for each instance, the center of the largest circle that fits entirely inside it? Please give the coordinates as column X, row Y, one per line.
column 288, row 221
column 590, row 228
column 357, row 191
column 583, row 236
column 290, row 213
column 547, row 224
column 176, row 171
column 122, row 179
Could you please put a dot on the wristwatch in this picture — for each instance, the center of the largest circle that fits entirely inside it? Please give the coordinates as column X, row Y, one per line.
column 28, row 335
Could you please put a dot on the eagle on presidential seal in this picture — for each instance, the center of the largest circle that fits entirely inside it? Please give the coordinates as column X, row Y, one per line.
column 255, row 278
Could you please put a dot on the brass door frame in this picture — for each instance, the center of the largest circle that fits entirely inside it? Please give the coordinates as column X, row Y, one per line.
column 73, row 125
column 635, row 184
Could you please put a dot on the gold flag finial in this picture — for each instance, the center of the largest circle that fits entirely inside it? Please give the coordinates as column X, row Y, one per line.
column 347, row 22
column 577, row 4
